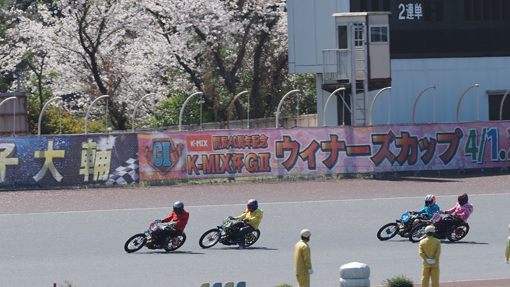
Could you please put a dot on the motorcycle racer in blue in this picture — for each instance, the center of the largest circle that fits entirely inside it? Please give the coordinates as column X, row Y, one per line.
column 430, row 207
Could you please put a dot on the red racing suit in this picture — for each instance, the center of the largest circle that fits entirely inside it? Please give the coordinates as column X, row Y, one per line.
column 181, row 219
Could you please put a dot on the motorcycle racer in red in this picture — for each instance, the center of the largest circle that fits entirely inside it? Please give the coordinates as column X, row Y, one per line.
column 179, row 219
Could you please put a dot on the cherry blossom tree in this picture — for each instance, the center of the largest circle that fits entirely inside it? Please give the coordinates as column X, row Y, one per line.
column 225, row 47
column 82, row 49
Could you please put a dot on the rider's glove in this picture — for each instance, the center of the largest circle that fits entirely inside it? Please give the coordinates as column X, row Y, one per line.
column 231, row 217
column 173, row 224
column 310, row 271
column 157, row 220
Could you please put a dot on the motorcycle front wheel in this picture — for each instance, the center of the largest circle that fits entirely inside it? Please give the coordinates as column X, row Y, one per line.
column 459, row 233
column 135, row 243
column 388, row 231
column 210, row 238
column 418, row 233
column 251, row 238
column 182, row 239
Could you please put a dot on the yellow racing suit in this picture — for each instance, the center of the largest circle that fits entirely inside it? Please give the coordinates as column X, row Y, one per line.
column 254, row 217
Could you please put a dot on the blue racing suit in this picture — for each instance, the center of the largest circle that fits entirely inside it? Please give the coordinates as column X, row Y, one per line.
column 430, row 210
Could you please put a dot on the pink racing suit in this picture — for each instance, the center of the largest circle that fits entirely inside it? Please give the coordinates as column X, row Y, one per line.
column 462, row 212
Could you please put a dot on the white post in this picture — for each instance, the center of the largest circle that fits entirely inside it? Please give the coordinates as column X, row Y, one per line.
column 42, row 112
column 136, row 107
column 280, row 105
column 326, row 105
column 88, row 110
column 184, row 105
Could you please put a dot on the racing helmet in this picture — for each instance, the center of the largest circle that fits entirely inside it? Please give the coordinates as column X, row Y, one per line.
column 463, row 199
column 253, row 204
column 178, row 207
column 430, row 200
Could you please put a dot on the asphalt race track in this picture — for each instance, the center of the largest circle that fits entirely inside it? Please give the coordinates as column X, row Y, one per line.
column 78, row 235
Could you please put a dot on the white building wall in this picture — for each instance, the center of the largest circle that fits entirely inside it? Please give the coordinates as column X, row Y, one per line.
column 452, row 76
column 311, row 29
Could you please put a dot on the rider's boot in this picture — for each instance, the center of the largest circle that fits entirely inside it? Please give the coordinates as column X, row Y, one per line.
column 167, row 243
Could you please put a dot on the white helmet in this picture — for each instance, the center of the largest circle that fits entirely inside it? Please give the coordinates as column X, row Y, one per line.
column 430, row 229
column 305, row 233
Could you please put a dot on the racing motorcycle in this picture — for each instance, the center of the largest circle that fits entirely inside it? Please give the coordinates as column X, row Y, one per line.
column 226, row 234
column 153, row 238
column 402, row 226
column 454, row 232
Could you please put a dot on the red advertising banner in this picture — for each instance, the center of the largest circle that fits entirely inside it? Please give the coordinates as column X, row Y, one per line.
column 332, row 150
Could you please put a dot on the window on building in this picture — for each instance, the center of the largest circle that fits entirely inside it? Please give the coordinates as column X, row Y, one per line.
column 379, row 34
column 495, row 104
column 358, row 35
column 342, row 37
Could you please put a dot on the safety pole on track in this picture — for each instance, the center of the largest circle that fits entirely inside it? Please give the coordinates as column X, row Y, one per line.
column 501, row 105
column 458, row 105
column 232, row 103
column 136, row 107
column 280, row 105
column 88, row 110
column 41, row 114
column 416, row 102
column 327, row 102
column 184, row 105
column 373, row 101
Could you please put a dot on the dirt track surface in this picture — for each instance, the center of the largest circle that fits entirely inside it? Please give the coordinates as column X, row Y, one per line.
column 40, row 201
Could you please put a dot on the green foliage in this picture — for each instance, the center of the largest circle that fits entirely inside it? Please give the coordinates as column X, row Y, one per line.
column 169, row 110
column 284, row 285
column 4, row 84
column 307, row 99
column 54, row 120
column 398, row 281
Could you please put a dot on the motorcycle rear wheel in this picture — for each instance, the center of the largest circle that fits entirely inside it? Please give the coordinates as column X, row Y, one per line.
column 388, row 231
column 251, row 238
column 135, row 243
column 182, row 239
column 210, row 238
column 418, row 233
column 454, row 237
